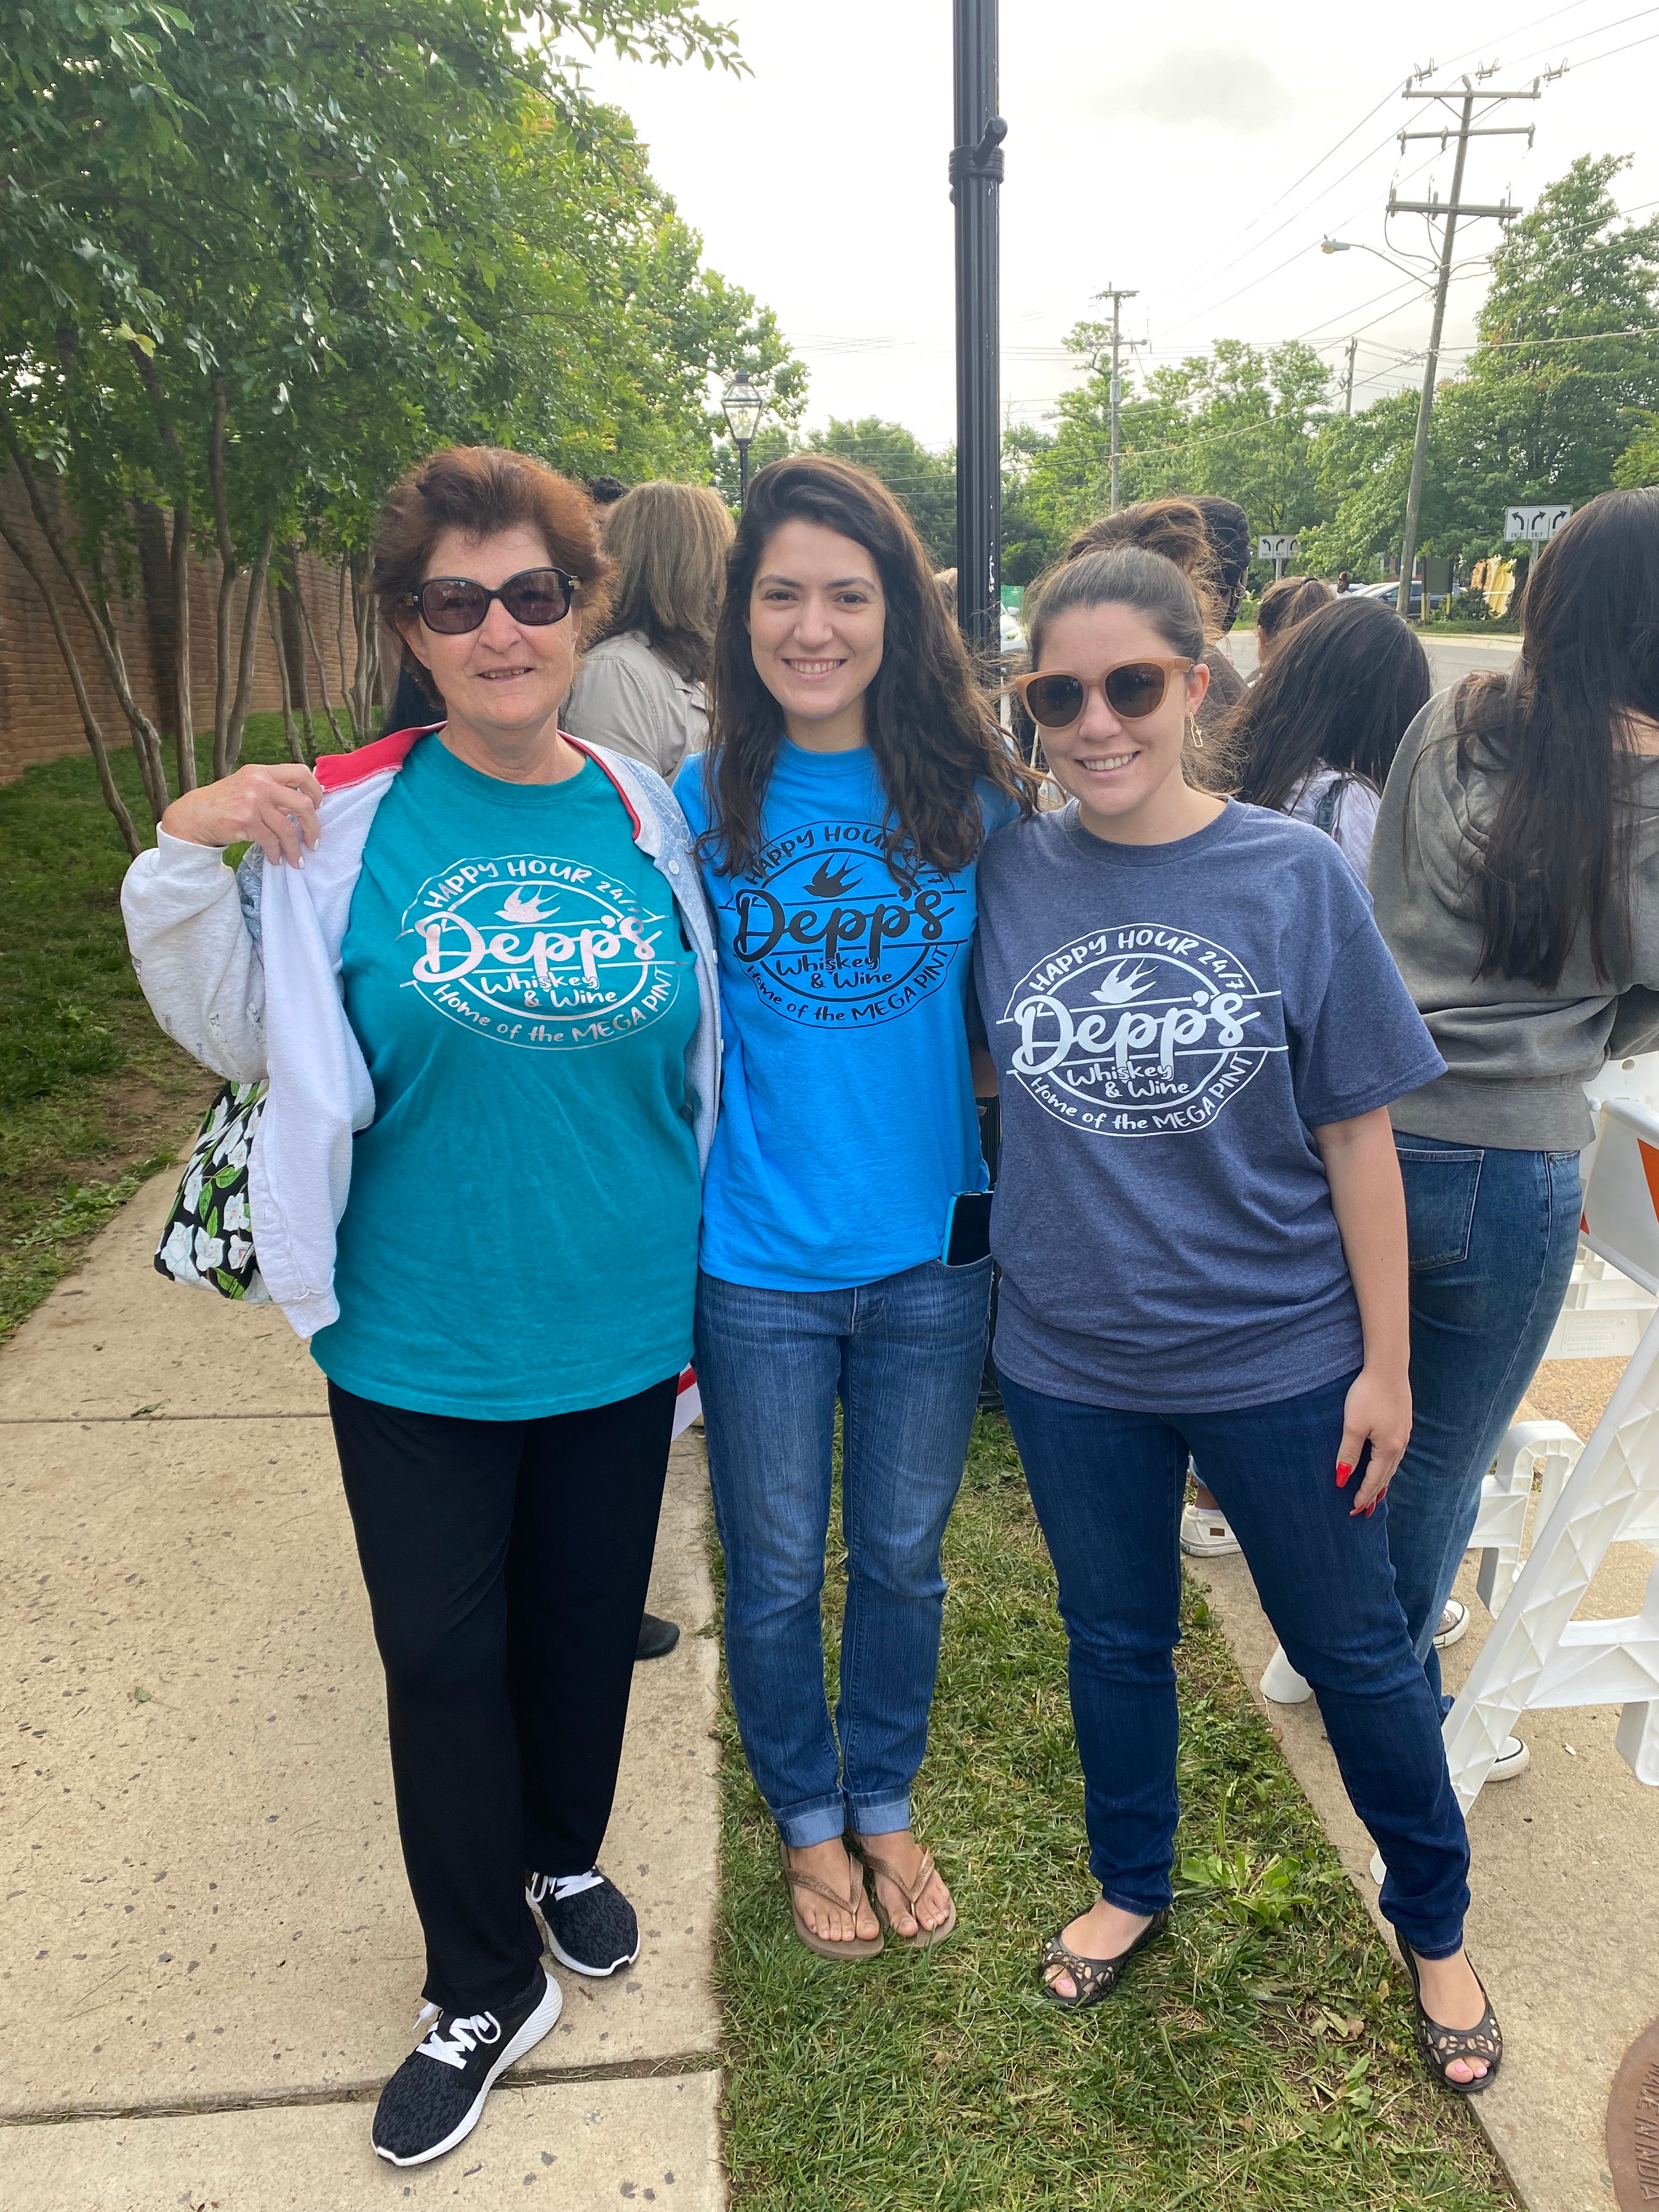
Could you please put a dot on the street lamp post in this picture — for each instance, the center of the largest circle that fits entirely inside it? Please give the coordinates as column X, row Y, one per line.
column 743, row 406
column 975, row 174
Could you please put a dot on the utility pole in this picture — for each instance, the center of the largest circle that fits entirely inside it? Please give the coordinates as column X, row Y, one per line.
column 1347, row 385
column 1450, row 211
column 1115, row 388
column 975, row 175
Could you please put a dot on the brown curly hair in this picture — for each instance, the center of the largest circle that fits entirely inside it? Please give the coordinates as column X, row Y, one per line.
column 482, row 489
column 931, row 728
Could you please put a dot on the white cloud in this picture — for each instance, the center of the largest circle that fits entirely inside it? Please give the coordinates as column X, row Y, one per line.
column 1204, row 88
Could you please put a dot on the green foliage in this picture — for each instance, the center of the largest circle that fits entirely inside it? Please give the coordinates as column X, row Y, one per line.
column 1545, row 409
column 924, row 482
column 255, row 259
column 1257, row 2060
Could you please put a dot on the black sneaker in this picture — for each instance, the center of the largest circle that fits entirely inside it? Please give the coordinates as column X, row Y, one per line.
column 589, row 1924
column 658, row 1638
column 437, row 2095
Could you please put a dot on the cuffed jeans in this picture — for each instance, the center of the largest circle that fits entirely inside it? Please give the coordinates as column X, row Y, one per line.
column 1108, row 1488
column 1492, row 1235
column 904, row 1356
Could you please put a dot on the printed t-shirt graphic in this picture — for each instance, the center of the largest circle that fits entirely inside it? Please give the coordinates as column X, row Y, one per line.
column 539, row 950
column 1140, row 1031
column 827, row 934
column 521, row 1234
column 1170, row 1024
column 846, row 1110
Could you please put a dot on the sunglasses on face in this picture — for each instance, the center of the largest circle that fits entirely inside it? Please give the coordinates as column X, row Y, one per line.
column 455, row 604
column 1133, row 689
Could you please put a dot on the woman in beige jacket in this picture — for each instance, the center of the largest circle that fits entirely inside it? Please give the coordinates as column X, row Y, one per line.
column 640, row 689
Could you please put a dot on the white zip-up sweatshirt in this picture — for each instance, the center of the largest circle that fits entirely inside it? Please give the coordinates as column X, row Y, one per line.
column 244, row 972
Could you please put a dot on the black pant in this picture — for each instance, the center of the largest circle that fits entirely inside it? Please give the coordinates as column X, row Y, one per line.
column 506, row 1564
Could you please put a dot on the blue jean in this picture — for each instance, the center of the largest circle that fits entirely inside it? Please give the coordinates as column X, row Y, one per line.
column 904, row 1356
column 1108, row 1489
column 1491, row 1236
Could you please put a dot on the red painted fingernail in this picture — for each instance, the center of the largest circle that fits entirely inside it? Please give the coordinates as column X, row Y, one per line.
column 1343, row 1471
column 1371, row 1509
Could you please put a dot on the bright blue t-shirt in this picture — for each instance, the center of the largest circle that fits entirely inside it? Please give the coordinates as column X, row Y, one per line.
column 522, row 1233
column 846, row 1120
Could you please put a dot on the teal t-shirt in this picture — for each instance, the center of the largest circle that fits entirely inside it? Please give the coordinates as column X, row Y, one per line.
column 522, row 1233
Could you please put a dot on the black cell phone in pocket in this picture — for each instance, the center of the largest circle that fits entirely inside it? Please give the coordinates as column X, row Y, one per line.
column 968, row 1229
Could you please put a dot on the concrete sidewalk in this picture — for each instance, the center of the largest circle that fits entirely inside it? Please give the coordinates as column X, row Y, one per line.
column 210, row 1958
column 1565, row 1873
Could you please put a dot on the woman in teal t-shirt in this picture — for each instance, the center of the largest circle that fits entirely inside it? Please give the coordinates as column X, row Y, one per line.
column 515, row 1264
column 854, row 773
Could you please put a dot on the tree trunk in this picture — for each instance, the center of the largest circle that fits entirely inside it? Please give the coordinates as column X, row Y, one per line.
column 179, row 556
column 145, row 738
column 229, row 570
column 365, row 628
column 294, row 649
column 248, row 659
column 322, row 672
column 113, row 797
column 157, row 574
column 278, row 645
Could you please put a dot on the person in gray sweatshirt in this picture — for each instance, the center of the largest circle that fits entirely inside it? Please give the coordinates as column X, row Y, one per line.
column 1516, row 879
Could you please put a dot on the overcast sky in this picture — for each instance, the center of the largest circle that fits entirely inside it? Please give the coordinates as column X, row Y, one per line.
column 1147, row 147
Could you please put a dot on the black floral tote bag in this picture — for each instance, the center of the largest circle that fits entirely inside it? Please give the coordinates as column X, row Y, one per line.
column 209, row 1237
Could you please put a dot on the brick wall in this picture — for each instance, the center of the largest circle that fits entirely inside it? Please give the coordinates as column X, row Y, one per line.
column 39, row 717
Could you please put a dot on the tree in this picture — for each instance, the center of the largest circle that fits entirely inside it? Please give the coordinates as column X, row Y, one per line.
column 253, row 261
column 1545, row 404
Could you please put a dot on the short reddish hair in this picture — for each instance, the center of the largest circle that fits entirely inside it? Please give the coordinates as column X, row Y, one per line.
column 483, row 489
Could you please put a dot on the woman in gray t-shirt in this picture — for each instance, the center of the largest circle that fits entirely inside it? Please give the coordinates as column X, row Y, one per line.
column 1197, row 1032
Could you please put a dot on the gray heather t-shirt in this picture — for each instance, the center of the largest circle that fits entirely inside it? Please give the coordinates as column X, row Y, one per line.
column 1170, row 1024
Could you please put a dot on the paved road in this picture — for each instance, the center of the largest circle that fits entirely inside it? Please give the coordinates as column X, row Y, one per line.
column 1449, row 657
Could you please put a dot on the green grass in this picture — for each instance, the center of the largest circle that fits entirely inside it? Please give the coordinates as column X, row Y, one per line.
column 93, row 1097
column 1259, row 2057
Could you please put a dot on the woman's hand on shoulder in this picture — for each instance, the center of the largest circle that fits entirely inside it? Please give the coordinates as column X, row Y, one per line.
column 272, row 806
column 1377, row 1412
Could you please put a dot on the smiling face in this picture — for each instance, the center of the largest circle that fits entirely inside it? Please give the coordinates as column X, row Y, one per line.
column 1124, row 774
column 817, row 620
column 504, row 681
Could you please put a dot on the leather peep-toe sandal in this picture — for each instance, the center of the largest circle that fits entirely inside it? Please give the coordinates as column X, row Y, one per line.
column 925, row 1938
column 1440, row 2047
column 855, row 1946
column 1093, row 1978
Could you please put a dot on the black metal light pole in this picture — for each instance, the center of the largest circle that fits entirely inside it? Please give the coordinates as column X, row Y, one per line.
column 742, row 405
column 975, row 174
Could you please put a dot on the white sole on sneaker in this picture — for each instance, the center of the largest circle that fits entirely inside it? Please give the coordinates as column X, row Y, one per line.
column 1454, row 1625
column 544, row 2018
column 1514, row 1759
column 1280, row 1682
column 576, row 1967
column 1205, row 1535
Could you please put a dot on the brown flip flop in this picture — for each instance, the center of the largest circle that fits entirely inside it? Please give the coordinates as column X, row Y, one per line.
column 925, row 1938
column 856, row 1947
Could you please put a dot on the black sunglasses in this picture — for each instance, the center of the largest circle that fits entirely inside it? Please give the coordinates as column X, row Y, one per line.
column 455, row 604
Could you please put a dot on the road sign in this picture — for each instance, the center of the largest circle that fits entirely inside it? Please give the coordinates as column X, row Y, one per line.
column 1535, row 525
column 1276, row 549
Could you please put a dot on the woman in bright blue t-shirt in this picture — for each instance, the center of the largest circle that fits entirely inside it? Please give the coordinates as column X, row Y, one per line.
column 840, row 852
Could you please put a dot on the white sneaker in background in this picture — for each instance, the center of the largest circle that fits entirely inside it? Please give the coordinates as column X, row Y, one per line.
column 1204, row 1533
column 1514, row 1759
column 1282, row 1684
column 1453, row 1623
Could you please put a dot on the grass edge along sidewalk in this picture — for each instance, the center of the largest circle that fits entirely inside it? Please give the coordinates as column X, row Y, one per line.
column 1260, row 2058
column 93, row 1098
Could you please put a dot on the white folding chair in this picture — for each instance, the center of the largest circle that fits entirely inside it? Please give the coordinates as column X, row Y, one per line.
column 1597, row 1493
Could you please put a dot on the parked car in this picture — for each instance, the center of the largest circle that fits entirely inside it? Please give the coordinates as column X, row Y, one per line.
column 1389, row 595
